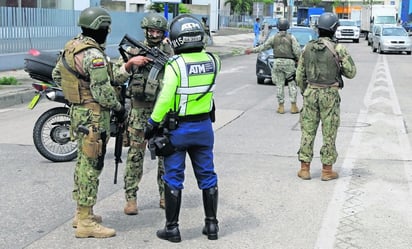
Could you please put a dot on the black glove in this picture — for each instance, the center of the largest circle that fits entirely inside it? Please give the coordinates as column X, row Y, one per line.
column 120, row 115
column 150, row 130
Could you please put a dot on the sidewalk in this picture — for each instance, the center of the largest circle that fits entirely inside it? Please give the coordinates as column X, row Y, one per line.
column 227, row 42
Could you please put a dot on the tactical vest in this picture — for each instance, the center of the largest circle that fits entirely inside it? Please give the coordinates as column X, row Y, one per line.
column 195, row 90
column 325, row 75
column 282, row 46
column 75, row 85
column 140, row 89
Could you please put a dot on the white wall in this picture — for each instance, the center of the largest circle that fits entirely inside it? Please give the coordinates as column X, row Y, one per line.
column 214, row 11
column 81, row 4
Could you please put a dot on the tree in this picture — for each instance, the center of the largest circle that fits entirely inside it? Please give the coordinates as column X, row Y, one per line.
column 240, row 6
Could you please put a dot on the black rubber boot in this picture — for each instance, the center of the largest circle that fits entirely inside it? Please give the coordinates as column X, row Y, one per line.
column 170, row 232
column 211, row 228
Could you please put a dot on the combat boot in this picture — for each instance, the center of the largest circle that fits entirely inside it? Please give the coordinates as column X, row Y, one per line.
column 281, row 108
column 328, row 173
column 294, row 108
column 95, row 217
column 131, row 207
column 210, row 197
column 87, row 227
column 170, row 232
column 304, row 171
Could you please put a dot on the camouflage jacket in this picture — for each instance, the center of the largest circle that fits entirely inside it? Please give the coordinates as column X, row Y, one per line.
column 310, row 69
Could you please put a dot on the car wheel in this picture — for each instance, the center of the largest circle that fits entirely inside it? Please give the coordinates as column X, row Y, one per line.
column 260, row 80
column 373, row 48
column 408, row 52
column 379, row 50
column 356, row 41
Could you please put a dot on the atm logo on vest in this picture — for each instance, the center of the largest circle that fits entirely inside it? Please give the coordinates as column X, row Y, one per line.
column 200, row 68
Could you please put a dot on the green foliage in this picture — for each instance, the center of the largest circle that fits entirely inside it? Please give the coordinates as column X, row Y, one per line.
column 241, row 7
column 310, row 3
column 9, row 81
column 160, row 7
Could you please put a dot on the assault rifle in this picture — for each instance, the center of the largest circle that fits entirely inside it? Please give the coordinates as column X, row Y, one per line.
column 120, row 125
column 159, row 58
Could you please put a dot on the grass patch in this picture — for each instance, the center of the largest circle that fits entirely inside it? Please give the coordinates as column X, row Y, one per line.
column 8, row 81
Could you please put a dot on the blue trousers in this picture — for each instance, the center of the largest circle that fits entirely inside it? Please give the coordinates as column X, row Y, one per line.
column 196, row 139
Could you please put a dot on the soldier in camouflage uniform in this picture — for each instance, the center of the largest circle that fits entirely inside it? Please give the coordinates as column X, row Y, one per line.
column 142, row 102
column 318, row 76
column 84, row 74
column 286, row 51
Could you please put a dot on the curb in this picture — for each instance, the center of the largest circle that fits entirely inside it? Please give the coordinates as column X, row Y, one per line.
column 17, row 98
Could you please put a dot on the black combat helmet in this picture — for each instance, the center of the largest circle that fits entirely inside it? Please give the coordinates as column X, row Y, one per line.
column 283, row 24
column 328, row 22
column 186, row 34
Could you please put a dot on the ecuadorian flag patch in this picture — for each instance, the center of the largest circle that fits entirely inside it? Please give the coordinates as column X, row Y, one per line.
column 99, row 62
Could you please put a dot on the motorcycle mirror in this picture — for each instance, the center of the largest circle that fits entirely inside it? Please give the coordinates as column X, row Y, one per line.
column 34, row 52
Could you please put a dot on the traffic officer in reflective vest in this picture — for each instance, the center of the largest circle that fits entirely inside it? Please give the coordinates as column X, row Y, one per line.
column 188, row 92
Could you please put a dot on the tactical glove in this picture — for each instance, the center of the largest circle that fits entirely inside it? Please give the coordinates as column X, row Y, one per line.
column 121, row 115
column 150, row 129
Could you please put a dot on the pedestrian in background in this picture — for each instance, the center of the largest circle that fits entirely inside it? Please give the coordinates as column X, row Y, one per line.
column 143, row 98
column 188, row 94
column 319, row 78
column 286, row 51
column 256, row 30
column 84, row 74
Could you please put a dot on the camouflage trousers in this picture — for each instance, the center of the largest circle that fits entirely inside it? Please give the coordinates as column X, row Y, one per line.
column 319, row 105
column 282, row 68
column 135, row 157
column 88, row 169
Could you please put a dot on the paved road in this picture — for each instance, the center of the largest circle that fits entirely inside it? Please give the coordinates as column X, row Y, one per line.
column 262, row 203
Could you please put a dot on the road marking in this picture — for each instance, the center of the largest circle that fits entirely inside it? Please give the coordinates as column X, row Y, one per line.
column 238, row 89
column 5, row 110
column 341, row 226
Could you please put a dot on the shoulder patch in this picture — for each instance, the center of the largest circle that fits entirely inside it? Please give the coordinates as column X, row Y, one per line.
column 98, row 62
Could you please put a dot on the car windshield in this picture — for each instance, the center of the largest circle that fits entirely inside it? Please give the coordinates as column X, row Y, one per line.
column 303, row 36
column 394, row 32
column 347, row 23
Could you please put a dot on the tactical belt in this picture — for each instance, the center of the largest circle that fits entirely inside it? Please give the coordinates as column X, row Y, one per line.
column 194, row 118
column 138, row 103
column 317, row 85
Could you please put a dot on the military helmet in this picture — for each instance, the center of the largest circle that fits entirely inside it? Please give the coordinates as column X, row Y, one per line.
column 154, row 21
column 328, row 22
column 94, row 18
column 186, row 34
column 283, row 24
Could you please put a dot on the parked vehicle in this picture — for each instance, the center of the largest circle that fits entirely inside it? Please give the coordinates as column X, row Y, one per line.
column 377, row 15
column 391, row 39
column 407, row 26
column 347, row 31
column 271, row 22
column 51, row 135
column 372, row 34
column 264, row 62
column 308, row 16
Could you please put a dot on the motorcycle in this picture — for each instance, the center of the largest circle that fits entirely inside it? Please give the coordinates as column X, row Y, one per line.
column 51, row 134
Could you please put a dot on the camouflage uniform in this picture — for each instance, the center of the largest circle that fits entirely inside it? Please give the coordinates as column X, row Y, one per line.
column 316, row 77
column 284, row 63
column 138, row 116
column 93, row 114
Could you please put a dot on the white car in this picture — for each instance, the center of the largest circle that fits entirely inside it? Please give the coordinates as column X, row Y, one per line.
column 391, row 39
column 348, row 30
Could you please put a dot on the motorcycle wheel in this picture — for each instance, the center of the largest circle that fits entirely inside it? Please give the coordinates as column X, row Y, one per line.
column 51, row 135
